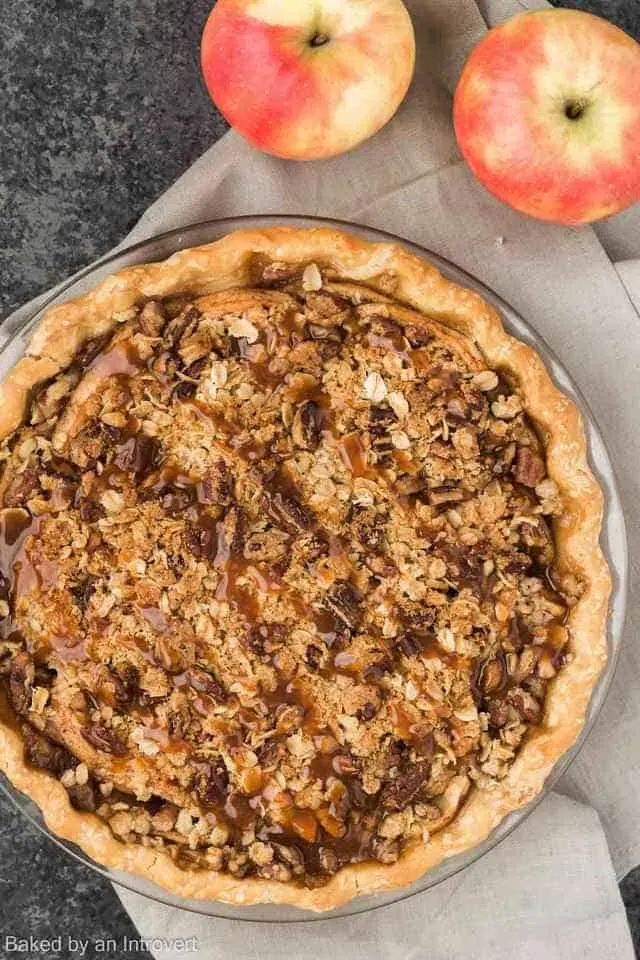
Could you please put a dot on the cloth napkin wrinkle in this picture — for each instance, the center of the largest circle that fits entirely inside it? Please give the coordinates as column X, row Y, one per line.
column 629, row 273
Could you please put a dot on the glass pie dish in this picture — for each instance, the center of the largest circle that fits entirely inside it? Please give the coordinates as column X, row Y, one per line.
column 13, row 342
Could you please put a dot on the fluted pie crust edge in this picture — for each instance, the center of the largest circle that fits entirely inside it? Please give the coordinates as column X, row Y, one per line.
column 228, row 263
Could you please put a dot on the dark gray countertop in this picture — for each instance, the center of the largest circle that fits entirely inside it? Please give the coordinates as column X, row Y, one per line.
column 102, row 109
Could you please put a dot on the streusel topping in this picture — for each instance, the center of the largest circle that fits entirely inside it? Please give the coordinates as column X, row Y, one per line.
column 278, row 581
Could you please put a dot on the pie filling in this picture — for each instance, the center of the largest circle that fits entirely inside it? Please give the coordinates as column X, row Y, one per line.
column 278, row 581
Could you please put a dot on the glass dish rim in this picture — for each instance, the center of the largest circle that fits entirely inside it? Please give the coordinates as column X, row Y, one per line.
column 618, row 564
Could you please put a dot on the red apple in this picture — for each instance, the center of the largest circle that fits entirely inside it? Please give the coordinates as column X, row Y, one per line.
column 547, row 115
column 308, row 78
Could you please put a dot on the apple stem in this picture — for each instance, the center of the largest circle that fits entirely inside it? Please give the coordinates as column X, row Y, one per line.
column 319, row 40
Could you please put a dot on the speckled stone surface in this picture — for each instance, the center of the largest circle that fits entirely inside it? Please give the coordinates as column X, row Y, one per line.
column 102, row 107
column 46, row 894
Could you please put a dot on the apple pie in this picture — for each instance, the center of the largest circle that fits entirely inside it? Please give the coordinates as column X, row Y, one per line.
column 301, row 589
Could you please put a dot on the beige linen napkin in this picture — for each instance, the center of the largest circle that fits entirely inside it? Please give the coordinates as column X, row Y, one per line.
column 549, row 890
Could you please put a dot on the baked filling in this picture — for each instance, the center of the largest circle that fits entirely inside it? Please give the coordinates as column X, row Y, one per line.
column 278, row 577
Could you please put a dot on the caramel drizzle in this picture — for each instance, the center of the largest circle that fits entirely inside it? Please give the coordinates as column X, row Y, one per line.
column 25, row 575
column 121, row 360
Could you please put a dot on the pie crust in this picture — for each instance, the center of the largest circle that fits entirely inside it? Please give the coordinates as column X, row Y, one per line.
column 415, row 291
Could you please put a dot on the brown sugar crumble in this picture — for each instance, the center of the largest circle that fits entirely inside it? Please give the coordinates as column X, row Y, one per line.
column 277, row 578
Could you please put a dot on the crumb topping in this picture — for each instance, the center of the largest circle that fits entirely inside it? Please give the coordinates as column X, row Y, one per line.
column 277, row 577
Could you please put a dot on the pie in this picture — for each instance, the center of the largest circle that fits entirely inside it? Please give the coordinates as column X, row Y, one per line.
column 301, row 581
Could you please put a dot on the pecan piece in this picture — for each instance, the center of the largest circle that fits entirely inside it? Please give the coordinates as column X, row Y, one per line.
column 305, row 428
column 177, row 724
column 328, row 861
column 195, row 369
column 206, row 683
column 419, row 621
column 82, row 593
column 529, row 468
column 22, row 488
column 408, row 644
column 211, row 783
column 376, row 670
column 176, row 500
column 344, row 602
column 90, row 511
column 398, row 793
column 369, row 528
column 289, row 855
column 21, row 675
column 498, row 712
column 83, row 796
column 425, row 746
column 381, row 419
column 494, row 675
column 367, row 712
column 102, row 738
column 518, row 563
column 386, row 851
column 313, row 656
column 217, row 487
column 285, row 508
column 519, row 634
column 185, row 390
column 43, row 753
column 202, row 542
column 269, row 546
column 318, row 331
column 126, row 683
column 140, row 454
column 345, row 764
column 526, row 705
column 269, row 751
column 489, row 677
column 256, row 639
column 235, row 524
column 181, row 326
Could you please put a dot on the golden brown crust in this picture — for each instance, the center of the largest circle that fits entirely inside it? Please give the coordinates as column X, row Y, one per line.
column 230, row 263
